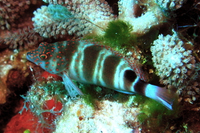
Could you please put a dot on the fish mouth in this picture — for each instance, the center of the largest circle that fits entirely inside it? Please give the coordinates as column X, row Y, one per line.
column 28, row 56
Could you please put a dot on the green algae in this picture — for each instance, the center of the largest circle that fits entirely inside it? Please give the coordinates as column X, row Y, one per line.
column 92, row 93
column 154, row 114
column 117, row 35
column 89, row 93
column 55, row 87
column 27, row 131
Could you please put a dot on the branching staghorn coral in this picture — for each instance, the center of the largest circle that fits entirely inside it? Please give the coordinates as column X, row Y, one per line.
column 11, row 12
column 93, row 16
column 16, row 25
column 49, row 25
column 77, row 18
column 20, row 39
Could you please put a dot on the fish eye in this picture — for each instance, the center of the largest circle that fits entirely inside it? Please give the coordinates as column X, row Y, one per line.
column 43, row 56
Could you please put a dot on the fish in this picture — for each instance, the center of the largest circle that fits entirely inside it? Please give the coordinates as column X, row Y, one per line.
column 92, row 63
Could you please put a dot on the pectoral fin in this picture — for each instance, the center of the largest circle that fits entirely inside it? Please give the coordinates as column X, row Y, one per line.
column 72, row 89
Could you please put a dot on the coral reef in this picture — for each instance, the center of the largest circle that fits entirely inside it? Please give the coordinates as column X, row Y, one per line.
column 44, row 17
column 28, row 120
column 190, row 93
column 177, row 66
column 142, row 23
column 140, row 30
column 3, row 92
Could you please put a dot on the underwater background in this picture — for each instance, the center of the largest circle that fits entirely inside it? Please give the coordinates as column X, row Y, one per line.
column 159, row 36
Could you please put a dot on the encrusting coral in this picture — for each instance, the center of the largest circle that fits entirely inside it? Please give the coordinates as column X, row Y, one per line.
column 108, row 116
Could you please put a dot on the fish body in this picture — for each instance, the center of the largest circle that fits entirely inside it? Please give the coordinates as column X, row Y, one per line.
column 91, row 63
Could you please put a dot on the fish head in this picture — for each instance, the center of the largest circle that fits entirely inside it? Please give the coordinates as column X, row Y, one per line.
column 49, row 57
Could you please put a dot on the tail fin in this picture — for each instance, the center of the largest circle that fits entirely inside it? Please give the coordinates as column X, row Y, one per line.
column 160, row 94
column 165, row 97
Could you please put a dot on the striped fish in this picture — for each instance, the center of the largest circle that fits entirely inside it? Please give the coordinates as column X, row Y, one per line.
column 91, row 63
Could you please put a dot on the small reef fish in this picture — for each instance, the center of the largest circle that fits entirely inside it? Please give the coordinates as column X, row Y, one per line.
column 88, row 62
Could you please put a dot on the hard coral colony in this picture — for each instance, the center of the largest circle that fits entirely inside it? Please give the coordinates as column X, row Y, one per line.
column 86, row 42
